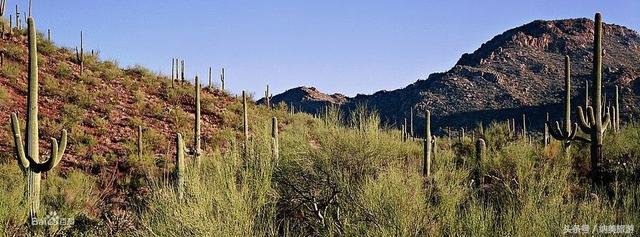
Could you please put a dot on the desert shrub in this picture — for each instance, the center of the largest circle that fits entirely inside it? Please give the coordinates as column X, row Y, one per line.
column 63, row 70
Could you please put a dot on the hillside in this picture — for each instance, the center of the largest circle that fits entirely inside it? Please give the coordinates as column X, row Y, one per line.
column 102, row 109
column 518, row 71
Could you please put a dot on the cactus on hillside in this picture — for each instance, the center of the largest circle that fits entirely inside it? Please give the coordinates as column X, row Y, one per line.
column 568, row 132
column 275, row 145
column 426, row 163
column 139, row 141
column 617, row 109
column 180, row 167
column 411, row 124
column 481, row 150
column 222, row 80
column 182, row 71
column 210, row 87
column 545, row 138
column 196, row 135
column 80, row 55
column 245, row 121
column 28, row 154
column 266, row 97
column 598, row 121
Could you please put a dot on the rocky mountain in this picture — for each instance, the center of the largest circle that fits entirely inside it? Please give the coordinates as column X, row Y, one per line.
column 519, row 71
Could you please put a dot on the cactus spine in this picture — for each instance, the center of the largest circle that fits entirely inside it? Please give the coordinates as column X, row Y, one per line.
column 180, row 167
column 598, row 123
column 140, row 142
column 28, row 158
column 426, row 169
column 197, row 150
column 275, row 146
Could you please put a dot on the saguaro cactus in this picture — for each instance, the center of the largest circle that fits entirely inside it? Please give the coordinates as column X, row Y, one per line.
column 481, row 150
column 266, row 97
column 275, row 146
column 29, row 158
column 426, row 168
column 617, row 109
column 182, row 71
column 180, row 168
column 2, row 7
column 568, row 133
column 139, row 141
column 222, row 79
column 545, row 137
column 411, row 123
column 597, row 124
column 197, row 150
column 245, row 120
column 81, row 54
column 210, row 87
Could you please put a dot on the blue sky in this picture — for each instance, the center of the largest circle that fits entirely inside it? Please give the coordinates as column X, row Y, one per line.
column 337, row 46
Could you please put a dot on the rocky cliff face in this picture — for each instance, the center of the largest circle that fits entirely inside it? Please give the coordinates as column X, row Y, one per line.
column 518, row 71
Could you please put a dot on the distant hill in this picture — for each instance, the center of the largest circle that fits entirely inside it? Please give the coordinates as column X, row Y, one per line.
column 518, row 71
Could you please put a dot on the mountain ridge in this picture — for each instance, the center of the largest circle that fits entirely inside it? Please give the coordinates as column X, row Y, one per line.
column 519, row 70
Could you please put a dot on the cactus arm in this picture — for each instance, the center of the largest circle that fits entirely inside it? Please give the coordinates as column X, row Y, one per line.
column 591, row 115
column 582, row 139
column 22, row 160
column 584, row 125
column 555, row 131
column 62, row 147
column 606, row 122
column 574, row 132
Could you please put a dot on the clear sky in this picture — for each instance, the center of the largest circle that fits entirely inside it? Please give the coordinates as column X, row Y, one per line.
column 337, row 46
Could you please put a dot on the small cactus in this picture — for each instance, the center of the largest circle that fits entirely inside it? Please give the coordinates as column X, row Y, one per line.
column 196, row 135
column 275, row 146
column 411, row 123
column 617, row 110
column 481, row 150
column 426, row 168
column 245, row 120
column 140, row 142
column 180, row 167
column 222, row 80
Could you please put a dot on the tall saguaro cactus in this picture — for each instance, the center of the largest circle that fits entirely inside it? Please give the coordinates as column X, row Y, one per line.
column 29, row 158
column 245, row 121
column 81, row 54
column 597, row 124
column 266, row 98
column 222, row 79
column 275, row 145
column 180, row 167
column 196, row 135
column 3, row 6
column 182, row 71
column 568, row 133
column 426, row 168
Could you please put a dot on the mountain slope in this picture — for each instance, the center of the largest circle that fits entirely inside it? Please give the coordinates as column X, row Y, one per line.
column 518, row 71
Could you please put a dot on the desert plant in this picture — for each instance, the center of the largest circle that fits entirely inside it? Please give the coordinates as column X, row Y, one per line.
column 426, row 170
column 275, row 146
column 598, row 121
column 222, row 79
column 180, row 168
column 569, row 131
column 245, row 120
column 29, row 158
column 197, row 128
